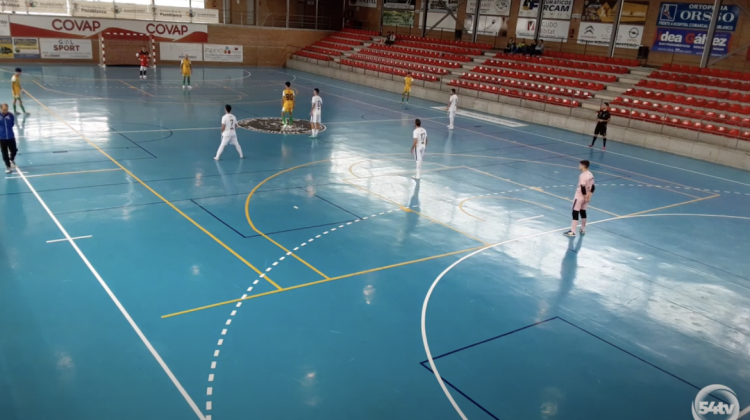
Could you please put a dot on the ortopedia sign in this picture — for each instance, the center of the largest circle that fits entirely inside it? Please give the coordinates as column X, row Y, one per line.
column 69, row 27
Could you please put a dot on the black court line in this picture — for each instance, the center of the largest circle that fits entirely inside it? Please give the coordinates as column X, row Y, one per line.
column 218, row 218
column 331, row 203
column 83, row 163
column 72, row 151
column 131, row 140
column 300, row 228
column 425, row 363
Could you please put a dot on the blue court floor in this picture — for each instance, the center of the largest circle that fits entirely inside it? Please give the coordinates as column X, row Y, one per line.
column 315, row 279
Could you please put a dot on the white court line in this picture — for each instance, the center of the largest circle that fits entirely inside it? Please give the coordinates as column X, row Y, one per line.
column 529, row 218
column 117, row 303
column 460, row 260
column 527, row 132
column 65, row 239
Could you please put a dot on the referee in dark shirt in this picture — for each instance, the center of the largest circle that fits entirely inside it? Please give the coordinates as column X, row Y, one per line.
column 602, row 119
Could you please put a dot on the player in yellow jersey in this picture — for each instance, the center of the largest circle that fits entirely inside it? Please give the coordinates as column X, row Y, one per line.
column 15, row 85
column 407, row 87
column 187, row 69
column 287, row 105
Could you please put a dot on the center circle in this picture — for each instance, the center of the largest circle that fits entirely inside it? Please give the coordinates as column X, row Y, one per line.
column 276, row 126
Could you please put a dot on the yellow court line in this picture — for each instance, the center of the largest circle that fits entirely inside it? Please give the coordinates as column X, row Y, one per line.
column 133, row 87
column 204, row 230
column 252, row 225
column 673, row 205
column 538, row 190
column 70, row 173
column 300, row 286
column 406, row 209
column 461, row 204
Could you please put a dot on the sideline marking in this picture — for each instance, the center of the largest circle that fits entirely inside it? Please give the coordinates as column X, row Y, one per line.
column 481, row 117
column 65, row 239
column 529, row 218
column 169, row 203
column 65, row 173
column 485, row 197
column 122, row 309
column 133, row 87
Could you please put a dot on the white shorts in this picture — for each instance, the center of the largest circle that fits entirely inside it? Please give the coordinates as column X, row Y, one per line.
column 452, row 113
column 419, row 153
column 144, row 68
column 229, row 139
column 315, row 117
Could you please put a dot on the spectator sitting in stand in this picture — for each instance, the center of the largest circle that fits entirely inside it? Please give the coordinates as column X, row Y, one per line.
column 539, row 49
column 511, row 47
column 388, row 40
column 521, row 47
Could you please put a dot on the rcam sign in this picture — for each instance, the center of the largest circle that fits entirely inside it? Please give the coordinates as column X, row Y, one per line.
column 697, row 16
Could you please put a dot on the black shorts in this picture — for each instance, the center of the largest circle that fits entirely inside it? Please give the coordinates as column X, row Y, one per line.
column 601, row 129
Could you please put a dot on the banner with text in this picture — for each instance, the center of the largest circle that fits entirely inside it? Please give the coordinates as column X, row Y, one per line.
column 398, row 4
column 68, row 49
column 4, row 25
column 186, row 14
column 47, row 6
column 599, row 11
column 442, row 6
column 528, row 8
column 92, row 9
column 697, row 16
column 12, row 6
column 67, row 27
column 175, row 51
column 557, row 9
column 133, row 11
column 525, row 28
column 26, row 47
column 362, row 3
column 554, row 30
column 488, row 25
column 6, row 47
column 689, row 41
column 634, row 12
column 629, row 36
column 222, row 53
column 592, row 33
column 489, row 7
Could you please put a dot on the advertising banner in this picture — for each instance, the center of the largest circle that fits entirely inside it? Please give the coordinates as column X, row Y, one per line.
column 398, row 18
column 222, row 53
column 525, row 28
column 363, row 3
column 47, row 6
column 489, row 7
column 398, row 4
column 442, row 6
column 557, row 9
column 133, row 11
column 634, row 13
column 13, row 6
column 175, row 51
column 4, row 25
column 6, row 47
column 69, row 27
column 689, row 41
column 488, row 25
column 697, row 16
column 599, row 11
column 205, row 16
column 26, row 48
column 554, row 30
column 629, row 36
column 92, row 9
column 594, row 33
column 528, row 8
column 69, row 49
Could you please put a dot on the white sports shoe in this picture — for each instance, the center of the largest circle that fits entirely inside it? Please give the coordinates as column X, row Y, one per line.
column 190, row 88
column 8, row 170
column 183, row 87
column 216, row 158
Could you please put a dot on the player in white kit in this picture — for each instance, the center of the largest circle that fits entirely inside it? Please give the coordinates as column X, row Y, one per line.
column 228, row 132
column 452, row 108
column 584, row 191
column 419, row 146
column 315, row 111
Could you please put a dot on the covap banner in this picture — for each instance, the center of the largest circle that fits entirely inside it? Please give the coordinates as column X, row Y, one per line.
column 70, row 49
column 689, row 41
column 697, row 16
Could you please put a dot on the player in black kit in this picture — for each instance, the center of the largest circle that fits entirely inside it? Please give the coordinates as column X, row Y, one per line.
column 602, row 118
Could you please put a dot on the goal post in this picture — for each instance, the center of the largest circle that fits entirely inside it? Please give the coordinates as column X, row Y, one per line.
column 118, row 48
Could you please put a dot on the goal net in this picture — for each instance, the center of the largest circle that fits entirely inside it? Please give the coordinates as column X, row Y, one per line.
column 119, row 48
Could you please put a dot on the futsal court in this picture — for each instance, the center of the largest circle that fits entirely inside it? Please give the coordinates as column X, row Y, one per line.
column 315, row 279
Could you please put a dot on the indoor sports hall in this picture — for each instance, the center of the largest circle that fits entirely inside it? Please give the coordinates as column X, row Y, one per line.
column 315, row 278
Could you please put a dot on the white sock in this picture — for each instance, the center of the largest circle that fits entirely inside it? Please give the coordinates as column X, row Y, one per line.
column 419, row 169
column 239, row 149
column 452, row 116
column 220, row 151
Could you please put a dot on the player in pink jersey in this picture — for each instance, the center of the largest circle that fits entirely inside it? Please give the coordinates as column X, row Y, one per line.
column 584, row 191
